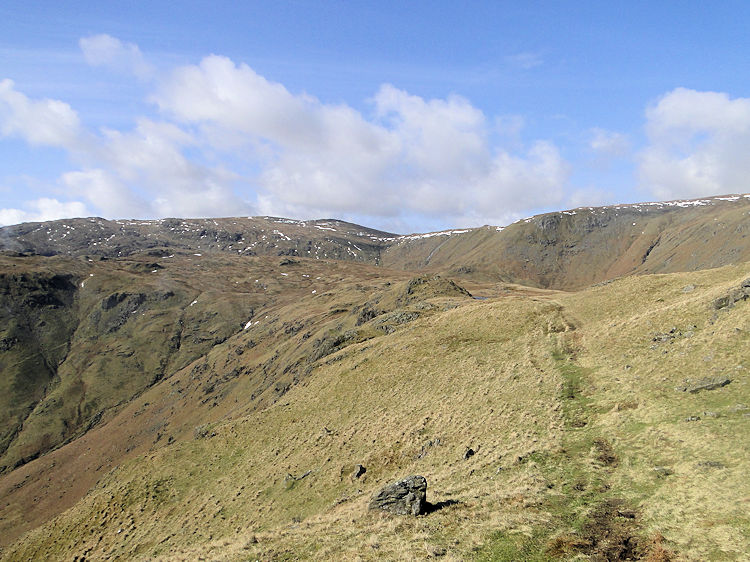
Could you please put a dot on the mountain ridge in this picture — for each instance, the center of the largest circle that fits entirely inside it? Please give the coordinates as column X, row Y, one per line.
column 548, row 250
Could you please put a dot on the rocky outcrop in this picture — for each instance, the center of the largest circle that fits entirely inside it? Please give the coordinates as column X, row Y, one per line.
column 708, row 383
column 737, row 294
column 405, row 497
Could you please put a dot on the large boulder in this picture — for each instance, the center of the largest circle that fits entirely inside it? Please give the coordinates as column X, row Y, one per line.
column 405, row 497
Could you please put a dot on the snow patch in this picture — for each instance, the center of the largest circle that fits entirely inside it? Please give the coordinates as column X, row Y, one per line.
column 430, row 234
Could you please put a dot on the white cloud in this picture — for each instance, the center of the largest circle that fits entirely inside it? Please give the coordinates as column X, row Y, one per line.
column 43, row 122
column 44, row 209
column 415, row 157
column 105, row 192
column 237, row 98
column 108, row 51
column 698, row 145
column 609, row 143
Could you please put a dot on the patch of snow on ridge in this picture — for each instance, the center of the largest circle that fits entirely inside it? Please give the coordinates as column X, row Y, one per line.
column 682, row 203
column 641, row 207
column 430, row 234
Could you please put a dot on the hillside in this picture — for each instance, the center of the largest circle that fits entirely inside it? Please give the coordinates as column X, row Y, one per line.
column 176, row 402
column 576, row 248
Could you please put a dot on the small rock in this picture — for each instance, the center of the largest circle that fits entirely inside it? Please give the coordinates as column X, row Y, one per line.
column 405, row 497
column 663, row 471
column 693, row 418
column 469, row 453
column 436, row 552
column 711, row 464
column 359, row 470
column 688, row 288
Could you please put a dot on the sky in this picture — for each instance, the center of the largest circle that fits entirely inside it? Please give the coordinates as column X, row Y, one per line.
column 404, row 116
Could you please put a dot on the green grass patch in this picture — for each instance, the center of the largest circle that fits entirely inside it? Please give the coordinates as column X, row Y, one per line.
column 512, row 547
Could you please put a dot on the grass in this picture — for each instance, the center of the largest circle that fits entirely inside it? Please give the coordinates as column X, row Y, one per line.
column 514, row 378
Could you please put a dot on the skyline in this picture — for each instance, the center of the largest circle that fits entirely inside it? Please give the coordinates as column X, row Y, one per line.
column 408, row 119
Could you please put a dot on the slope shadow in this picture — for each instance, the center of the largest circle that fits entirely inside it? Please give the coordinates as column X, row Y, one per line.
column 433, row 507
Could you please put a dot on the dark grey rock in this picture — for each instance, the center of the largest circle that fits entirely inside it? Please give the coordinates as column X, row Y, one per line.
column 707, row 383
column 723, row 302
column 737, row 294
column 359, row 470
column 405, row 497
column 468, row 453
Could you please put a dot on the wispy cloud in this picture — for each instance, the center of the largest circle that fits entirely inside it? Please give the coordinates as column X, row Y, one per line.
column 608, row 143
column 105, row 50
column 526, row 60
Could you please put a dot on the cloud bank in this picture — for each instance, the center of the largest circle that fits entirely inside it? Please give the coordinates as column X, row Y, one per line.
column 226, row 141
column 411, row 157
column 223, row 140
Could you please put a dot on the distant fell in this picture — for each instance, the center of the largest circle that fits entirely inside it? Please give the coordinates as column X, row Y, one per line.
column 560, row 250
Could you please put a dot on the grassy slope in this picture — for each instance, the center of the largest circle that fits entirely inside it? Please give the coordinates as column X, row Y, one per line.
column 581, row 442
column 702, row 505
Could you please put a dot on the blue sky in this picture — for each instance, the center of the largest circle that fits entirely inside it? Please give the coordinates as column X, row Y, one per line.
column 405, row 116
